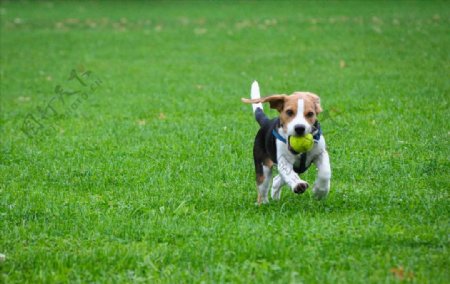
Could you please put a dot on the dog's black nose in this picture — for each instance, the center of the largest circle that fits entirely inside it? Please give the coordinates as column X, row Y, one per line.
column 300, row 129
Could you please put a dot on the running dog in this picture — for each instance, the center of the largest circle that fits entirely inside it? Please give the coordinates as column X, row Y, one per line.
column 298, row 117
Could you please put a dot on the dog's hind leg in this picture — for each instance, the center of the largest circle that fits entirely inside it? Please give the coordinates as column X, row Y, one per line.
column 263, row 183
column 263, row 167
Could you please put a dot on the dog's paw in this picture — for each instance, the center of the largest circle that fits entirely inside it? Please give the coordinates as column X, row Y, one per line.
column 276, row 194
column 262, row 200
column 301, row 187
column 321, row 188
column 320, row 193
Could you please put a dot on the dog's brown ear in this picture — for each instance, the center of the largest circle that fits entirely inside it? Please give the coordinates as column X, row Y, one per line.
column 275, row 101
column 316, row 100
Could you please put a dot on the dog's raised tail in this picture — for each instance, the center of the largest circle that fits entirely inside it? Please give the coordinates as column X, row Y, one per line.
column 260, row 116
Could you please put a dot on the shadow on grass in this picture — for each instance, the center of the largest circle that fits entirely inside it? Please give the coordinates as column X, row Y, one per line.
column 337, row 204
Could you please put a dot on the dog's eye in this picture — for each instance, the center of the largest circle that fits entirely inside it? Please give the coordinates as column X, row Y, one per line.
column 289, row 112
column 310, row 114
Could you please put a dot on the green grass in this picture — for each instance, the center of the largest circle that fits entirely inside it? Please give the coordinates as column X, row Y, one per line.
column 151, row 179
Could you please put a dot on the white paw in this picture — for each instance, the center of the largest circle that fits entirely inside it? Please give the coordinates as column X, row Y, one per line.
column 262, row 200
column 320, row 192
column 276, row 193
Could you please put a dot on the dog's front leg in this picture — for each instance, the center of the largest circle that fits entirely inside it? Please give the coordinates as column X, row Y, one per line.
column 290, row 177
column 277, row 184
column 322, row 183
column 263, row 188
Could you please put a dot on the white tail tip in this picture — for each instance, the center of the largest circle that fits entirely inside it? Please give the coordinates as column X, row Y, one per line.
column 254, row 94
column 255, row 91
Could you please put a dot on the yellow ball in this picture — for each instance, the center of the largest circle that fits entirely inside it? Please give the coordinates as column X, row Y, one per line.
column 301, row 144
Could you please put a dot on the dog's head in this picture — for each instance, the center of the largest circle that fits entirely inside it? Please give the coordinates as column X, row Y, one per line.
column 298, row 112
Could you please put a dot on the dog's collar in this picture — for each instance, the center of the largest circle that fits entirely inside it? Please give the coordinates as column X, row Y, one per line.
column 282, row 139
column 317, row 131
column 278, row 136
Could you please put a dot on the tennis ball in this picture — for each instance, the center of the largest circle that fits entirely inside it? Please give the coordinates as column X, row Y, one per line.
column 301, row 144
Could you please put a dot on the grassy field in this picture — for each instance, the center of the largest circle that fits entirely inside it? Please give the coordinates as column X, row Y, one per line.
column 126, row 154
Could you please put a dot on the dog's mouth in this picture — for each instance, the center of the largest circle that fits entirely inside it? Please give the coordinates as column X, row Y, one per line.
column 296, row 136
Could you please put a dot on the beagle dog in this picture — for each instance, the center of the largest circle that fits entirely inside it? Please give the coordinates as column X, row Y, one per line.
column 298, row 117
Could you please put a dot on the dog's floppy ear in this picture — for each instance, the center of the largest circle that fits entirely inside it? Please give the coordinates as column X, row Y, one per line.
column 316, row 101
column 275, row 101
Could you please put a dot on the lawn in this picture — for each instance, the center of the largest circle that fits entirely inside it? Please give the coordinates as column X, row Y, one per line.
column 126, row 153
